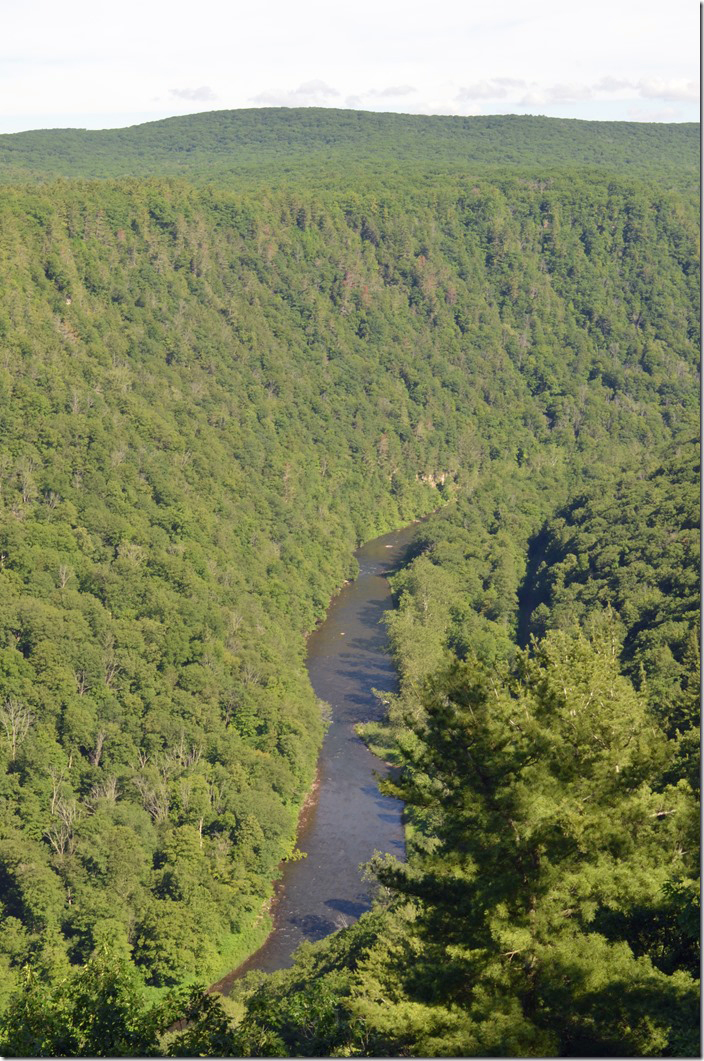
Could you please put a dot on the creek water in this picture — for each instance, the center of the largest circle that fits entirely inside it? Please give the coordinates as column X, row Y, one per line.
column 349, row 819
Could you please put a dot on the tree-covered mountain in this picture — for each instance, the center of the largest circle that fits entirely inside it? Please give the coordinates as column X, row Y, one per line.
column 320, row 145
column 208, row 398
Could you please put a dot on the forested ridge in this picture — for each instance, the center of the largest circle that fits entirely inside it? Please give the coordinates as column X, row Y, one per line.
column 209, row 395
column 322, row 145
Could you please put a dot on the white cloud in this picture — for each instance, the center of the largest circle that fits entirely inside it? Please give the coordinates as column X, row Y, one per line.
column 319, row 93
column 310, row 93
column 532, row 93
column 314, row 93
column 316, row 87
column 392, row 91
column 612, row 84
column 510, row 82
column 674, row 90
column 532, row 99
column 495, row 88
column 562, row 93
column 526, row 92
column 204, row 94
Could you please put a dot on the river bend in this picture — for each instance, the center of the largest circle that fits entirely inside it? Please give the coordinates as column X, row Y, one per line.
column 350, row 819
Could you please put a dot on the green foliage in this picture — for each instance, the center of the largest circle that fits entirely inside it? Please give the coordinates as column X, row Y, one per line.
column 518, row 926
column 207, row 399
column 98, row 1012
column 637, row 550
column 321, row 144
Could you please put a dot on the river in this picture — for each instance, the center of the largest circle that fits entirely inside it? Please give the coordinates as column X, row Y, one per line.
column 349, row 819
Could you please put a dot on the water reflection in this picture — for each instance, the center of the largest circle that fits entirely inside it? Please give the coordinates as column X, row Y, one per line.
column 352, row 819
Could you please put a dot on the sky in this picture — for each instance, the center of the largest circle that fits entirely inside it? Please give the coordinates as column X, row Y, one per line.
column 85, row 64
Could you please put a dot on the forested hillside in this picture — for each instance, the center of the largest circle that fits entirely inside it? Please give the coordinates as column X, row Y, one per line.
column 208, row 398
column 323, row 145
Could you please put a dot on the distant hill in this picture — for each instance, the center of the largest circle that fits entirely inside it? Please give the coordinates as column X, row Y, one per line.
column 321, row 143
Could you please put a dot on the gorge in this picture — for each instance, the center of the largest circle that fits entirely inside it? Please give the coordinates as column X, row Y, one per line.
column 234, row 347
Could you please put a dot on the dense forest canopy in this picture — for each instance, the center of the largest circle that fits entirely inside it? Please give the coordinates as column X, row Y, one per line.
column 211, row 390
column 324, row 145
